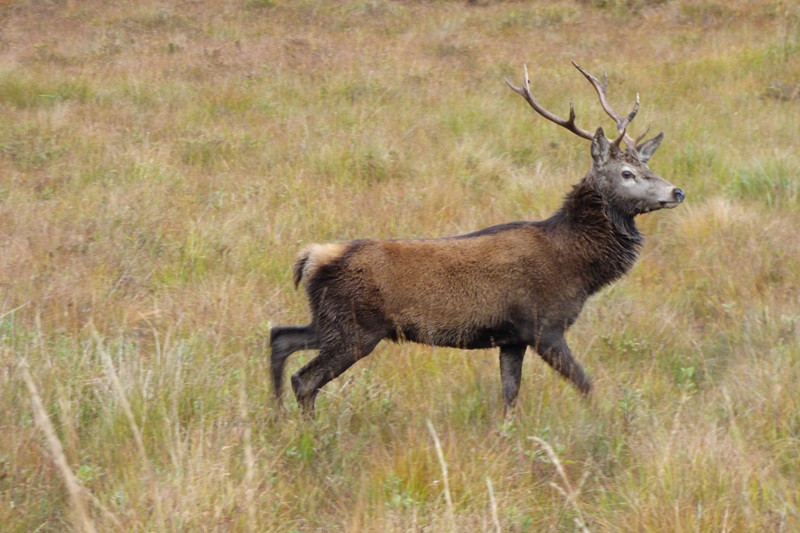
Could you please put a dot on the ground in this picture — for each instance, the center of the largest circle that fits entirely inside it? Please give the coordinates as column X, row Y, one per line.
column 162, row 162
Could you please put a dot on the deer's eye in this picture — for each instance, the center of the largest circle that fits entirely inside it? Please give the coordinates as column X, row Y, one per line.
column 627, row 174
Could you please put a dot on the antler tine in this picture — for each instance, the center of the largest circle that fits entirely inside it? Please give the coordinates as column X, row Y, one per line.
column 627, row 120
column 640, row 137
column 525, row 92
column 623, row 135
column 622, row 123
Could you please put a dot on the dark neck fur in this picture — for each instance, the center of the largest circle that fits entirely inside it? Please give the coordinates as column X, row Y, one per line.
column 606, row 241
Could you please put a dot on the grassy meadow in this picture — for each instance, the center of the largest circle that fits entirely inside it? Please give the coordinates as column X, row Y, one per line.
column 162, row 162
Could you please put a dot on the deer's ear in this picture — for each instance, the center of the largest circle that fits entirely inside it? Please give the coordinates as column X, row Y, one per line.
column 601, row 148
column 648, row 148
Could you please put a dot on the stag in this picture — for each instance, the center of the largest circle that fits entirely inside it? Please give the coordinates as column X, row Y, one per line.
column 510, row 286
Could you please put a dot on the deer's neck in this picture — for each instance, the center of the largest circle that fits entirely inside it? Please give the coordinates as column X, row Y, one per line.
column 605, row 242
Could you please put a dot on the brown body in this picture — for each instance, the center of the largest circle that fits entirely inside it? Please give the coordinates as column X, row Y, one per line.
column 509, row 286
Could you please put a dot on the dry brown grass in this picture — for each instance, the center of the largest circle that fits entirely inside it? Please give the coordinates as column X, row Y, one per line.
column 162, row 162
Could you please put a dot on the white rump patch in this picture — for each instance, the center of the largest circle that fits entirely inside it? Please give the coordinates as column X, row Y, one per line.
column 321, row 254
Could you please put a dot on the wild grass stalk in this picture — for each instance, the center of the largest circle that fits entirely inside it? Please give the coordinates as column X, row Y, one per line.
column 249, row 458
column 493, row 505
column 569, row 493
column 122, row 398
column 451, row 517
column 83, row 520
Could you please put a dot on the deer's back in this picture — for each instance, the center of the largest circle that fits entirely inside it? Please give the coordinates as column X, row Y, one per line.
column 466, row 283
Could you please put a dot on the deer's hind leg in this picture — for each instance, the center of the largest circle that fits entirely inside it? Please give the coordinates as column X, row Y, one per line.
column 338, row 352
column 284, row 341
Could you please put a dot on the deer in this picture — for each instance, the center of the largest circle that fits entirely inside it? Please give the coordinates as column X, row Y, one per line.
column 510, row 286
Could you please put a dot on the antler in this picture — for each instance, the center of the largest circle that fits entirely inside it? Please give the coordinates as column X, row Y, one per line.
column 622, row 123
column 525, row 92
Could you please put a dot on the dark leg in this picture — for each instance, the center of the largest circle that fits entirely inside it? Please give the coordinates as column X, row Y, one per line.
column 511, row 374
column 554, row 350
column 284, row 341
column 333, row 359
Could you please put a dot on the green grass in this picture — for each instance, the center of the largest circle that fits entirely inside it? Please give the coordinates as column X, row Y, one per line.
column 161, row 164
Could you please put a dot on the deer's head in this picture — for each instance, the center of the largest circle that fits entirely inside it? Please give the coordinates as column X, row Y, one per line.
column 620, row 175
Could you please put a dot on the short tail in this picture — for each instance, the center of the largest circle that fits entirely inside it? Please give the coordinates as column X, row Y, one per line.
column 313, row 257
column 300, row 266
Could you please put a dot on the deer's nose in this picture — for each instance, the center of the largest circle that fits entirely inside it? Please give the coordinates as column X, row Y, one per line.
column 679, row 195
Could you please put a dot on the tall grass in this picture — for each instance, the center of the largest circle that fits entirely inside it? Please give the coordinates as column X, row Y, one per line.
column 162, row 162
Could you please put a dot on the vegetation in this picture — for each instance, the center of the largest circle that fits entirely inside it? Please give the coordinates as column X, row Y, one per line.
column 162, row 162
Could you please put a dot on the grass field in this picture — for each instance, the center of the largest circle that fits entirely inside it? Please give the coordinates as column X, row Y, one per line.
column 162, row 162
